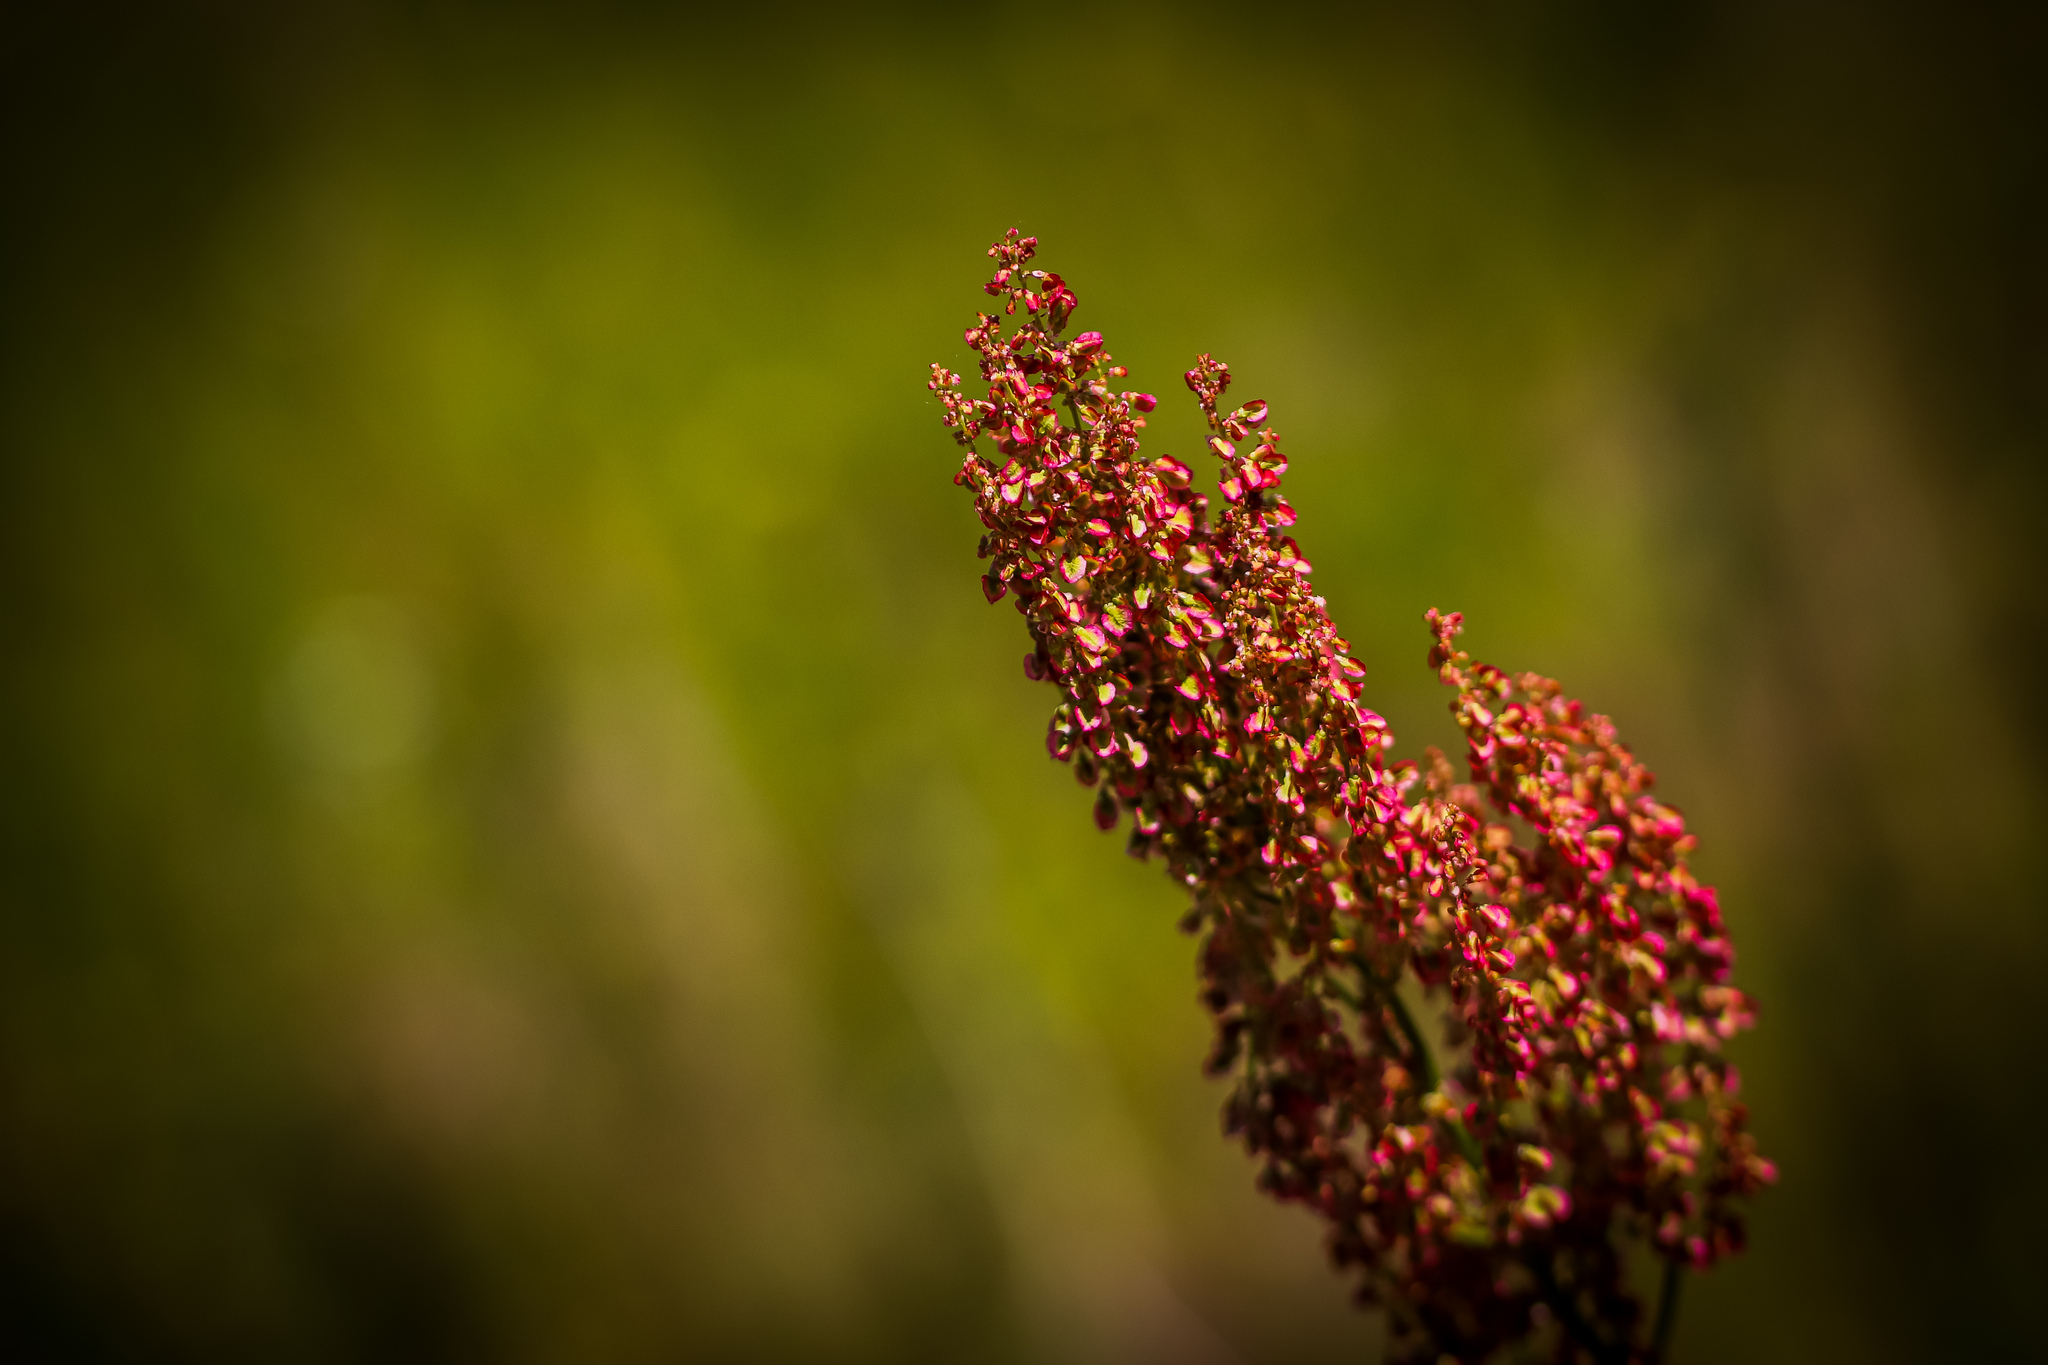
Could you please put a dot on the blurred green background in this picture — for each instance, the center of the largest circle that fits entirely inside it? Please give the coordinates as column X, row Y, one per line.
column 522, row 840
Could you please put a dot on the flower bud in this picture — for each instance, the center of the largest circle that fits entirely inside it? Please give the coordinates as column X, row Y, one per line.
column 1105, row 809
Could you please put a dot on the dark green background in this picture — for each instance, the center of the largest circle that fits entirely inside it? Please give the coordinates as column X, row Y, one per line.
column 520, row 839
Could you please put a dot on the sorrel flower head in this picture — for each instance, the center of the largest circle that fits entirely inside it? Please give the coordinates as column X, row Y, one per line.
column 1581, row 977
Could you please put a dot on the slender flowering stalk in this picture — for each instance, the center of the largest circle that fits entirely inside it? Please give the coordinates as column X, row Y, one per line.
column 1485, row 1184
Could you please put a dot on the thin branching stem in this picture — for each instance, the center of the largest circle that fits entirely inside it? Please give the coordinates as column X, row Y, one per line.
column 1667, row 1310
column 1425, row 1062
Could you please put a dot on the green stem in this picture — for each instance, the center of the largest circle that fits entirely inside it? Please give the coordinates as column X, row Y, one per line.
column 1667, row 1309
column 1425, row 1064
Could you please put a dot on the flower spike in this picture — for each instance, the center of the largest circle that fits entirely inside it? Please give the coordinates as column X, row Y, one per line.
column 1582, row 1098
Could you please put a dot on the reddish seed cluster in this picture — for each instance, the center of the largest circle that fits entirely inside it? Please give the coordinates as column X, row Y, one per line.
column 1581, row 979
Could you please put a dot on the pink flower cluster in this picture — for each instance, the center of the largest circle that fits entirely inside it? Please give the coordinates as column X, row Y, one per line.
column 1579, row 978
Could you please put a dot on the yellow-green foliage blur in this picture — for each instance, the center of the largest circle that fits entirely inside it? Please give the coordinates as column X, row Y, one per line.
column 522, row 840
